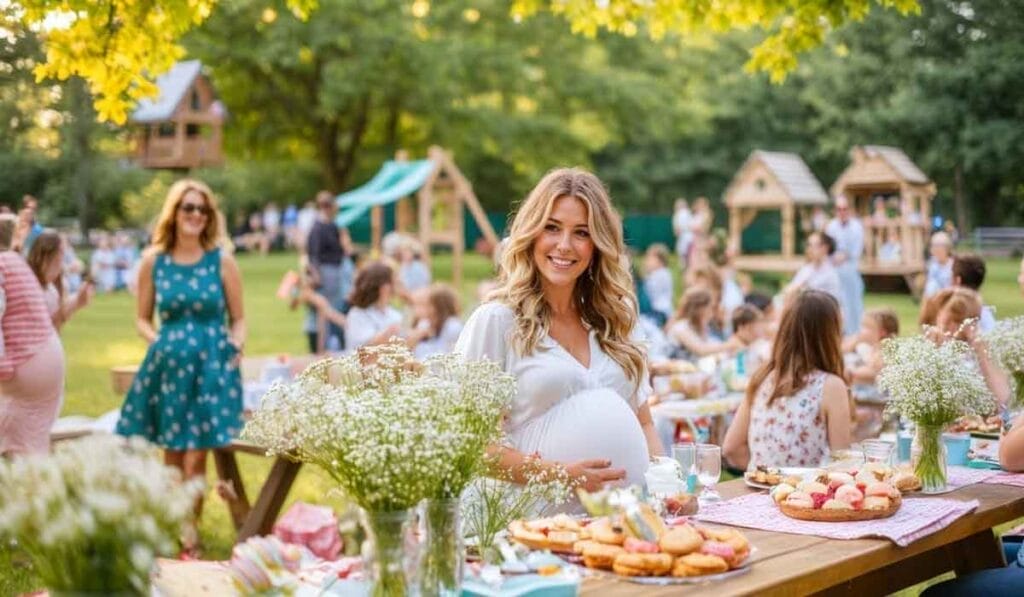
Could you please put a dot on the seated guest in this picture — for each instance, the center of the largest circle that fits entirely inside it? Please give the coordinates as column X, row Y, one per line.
column 818, row 273
column 436, row 324
column 969, row 272
column 939, row 269
column 709, row 277
column 875, row 326
column 748, row 330
column 372, row 320
column 690, row 330
column 797, row 407
column 953, row 313
column 658, row 281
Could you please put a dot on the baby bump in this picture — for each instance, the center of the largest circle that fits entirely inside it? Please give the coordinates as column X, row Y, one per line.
column 590, row 424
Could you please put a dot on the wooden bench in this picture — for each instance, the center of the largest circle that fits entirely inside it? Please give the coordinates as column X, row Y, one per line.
column 1002, row 241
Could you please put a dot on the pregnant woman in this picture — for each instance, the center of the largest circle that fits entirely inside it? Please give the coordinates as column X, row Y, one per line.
column 561, row 321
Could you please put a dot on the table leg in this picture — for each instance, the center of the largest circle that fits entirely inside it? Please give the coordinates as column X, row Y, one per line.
column 980, row 551
column 261, row 520
column 227, row 471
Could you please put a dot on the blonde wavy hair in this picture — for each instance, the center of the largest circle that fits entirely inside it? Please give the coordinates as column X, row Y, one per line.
column 165, row 229
column 604, row 295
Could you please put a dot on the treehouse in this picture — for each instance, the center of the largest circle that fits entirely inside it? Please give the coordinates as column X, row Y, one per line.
column 180, row 128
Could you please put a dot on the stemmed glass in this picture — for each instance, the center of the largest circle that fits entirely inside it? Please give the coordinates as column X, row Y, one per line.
column 684, row 454
column 709, row 470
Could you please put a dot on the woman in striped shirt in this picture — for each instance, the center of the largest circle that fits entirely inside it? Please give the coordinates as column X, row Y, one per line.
column 32, row 362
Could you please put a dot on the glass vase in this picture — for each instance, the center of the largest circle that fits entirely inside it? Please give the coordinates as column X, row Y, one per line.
column 389, row 564
column 443, row 548
column 929, row 457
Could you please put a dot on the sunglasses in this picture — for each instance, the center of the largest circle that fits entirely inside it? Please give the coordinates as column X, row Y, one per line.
column 191, row 208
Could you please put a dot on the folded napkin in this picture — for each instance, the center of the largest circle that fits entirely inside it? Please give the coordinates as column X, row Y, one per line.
column 916, row 518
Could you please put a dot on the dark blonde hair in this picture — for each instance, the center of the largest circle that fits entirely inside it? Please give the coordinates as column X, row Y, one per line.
column 166, row 228
column 604, row 295
column 887, row 320
column 369, row 281
column 809, row 339
column 445, row 304
column 963, row 304
column 693, row 301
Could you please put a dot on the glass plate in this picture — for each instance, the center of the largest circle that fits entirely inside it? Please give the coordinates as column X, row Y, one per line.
column 785, row 471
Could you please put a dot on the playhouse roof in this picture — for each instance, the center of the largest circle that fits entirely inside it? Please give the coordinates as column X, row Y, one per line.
column 173, row 85
column 794, row 178
column 905, row 167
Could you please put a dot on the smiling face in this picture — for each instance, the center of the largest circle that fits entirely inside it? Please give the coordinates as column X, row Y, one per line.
column 564, row 249
column 192, row 215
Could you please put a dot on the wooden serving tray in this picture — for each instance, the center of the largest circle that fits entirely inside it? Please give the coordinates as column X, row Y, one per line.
column 840, row 515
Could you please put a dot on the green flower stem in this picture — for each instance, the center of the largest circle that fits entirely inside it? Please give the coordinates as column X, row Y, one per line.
column 441, row 572
column 1018, row 398
column 930, row 466
column 387, row 570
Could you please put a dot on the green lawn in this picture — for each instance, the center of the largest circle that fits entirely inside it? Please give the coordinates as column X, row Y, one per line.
column 103, row 336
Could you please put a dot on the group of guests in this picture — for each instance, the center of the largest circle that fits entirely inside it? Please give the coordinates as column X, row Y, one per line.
column 272, row 228
column 349, row 299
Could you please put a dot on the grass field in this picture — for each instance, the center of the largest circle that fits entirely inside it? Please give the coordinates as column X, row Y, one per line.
column 103, row 336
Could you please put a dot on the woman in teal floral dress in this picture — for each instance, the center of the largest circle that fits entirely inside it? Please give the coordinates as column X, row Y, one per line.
column 187, row 395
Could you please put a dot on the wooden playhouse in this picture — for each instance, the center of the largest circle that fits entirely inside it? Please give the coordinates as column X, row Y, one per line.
column 772, row 181
column 885, row 175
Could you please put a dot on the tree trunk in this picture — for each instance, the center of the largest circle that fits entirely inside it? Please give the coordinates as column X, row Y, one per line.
column 328, row 150
column 959, row 201
column 343, row 167
column 80, row 151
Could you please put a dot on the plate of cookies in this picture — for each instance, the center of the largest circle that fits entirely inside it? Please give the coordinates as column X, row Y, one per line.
column 638, row 546
column 766, row 477
column 838, row 497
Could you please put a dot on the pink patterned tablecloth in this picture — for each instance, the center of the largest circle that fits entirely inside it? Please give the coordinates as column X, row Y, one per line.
column 962, row 476
column 916, row 518
column 1015, row 479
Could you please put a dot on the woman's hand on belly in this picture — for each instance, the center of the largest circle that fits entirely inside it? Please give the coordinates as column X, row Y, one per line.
column 592, row 475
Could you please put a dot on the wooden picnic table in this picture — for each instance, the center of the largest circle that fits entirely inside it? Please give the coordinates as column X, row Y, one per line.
column 787, row 564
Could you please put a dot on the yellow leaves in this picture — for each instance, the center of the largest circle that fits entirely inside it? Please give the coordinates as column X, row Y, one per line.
column 269, row 15
column 420, row 8
column 471, row 15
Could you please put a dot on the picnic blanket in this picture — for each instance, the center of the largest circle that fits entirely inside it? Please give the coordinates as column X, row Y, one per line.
column 916, row 518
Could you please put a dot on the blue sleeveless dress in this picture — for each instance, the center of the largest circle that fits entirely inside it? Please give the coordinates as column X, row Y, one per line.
column 187, row 394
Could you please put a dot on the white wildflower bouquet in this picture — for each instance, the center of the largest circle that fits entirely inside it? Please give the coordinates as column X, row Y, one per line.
column 389, row 430
column 932, row 384
column 95, row 514
column 1006, row 345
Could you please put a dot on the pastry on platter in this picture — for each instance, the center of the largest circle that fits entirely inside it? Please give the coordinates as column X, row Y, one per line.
column 844, row 497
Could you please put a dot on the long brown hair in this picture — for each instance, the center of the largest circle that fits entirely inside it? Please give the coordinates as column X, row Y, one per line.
column 446, row 305
column 809, row 339
column 604, row 297
column 693, row 301
column 47, row 246
column 369, row 281
column 165, row 230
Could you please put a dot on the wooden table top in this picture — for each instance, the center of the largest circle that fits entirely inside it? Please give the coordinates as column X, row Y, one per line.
column 787, row 564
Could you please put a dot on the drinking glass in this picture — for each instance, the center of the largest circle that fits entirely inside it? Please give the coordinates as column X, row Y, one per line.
column 685, row 454
column 877, row 450
column 709, row 470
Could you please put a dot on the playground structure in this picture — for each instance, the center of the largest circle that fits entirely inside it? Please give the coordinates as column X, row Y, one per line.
column 771, row 180
column 886, row 175
column 441, row 192
column 181, row 127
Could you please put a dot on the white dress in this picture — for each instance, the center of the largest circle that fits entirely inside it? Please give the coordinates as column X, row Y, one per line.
column 443, row 343
column 361, row 325
column 562, row 410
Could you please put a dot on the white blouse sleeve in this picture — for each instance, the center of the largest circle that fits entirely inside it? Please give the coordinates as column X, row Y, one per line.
column 359, row 328
column 450, row 333
column 485, row 335
column 644, row 389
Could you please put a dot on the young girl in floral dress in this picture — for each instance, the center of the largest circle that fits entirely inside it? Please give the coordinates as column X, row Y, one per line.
column 797, row 407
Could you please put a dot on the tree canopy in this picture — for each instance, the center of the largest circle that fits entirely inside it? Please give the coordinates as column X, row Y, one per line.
column 119, row 46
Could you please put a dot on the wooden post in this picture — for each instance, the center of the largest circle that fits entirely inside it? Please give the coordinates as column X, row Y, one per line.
column 376, row 228
column 787, row 231
column 736, row 228
column 459, row 238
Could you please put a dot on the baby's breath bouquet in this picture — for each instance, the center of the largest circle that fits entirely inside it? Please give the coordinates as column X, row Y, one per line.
column 95, row 513
column 1006, row 345
column 389, row 430
column 932, row 384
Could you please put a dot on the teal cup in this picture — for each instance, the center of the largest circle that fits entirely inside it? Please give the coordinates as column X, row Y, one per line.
column 903, row 442
column 957, row 446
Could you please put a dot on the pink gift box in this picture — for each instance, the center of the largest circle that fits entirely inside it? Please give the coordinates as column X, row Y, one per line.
column 313, row 527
